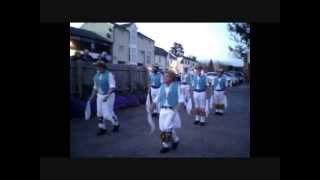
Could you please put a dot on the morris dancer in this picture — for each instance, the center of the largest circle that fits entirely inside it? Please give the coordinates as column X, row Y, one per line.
column 185, row 85
column 169, row 100
column 200, row 95
column 219, row 94
column 155, row 81
column 104, row 87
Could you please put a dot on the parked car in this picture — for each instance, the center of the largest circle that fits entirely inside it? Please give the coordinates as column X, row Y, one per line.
column 232, row 81
column 211, row 76
column 240, row 76
column 236, row 79
column 229, row 79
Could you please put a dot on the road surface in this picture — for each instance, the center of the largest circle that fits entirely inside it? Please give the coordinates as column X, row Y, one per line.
column 223, row 136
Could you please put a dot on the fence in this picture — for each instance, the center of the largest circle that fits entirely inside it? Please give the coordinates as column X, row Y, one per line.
column 129, row 78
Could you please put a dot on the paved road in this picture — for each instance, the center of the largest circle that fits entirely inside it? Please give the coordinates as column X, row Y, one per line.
column 223, row 136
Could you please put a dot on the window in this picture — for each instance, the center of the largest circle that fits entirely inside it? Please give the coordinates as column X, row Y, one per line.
column 134, row 54
column 134, row 39
column 148, row 59
column 121, row 48
column 129, row 54
column 142, row 56
column 134, row 35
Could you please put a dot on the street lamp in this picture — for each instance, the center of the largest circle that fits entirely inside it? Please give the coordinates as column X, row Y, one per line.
column 71, row 44
column 72, row 47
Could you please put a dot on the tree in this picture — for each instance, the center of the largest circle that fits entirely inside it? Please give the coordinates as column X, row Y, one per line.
column 193, row 58
column 240, row 33
column 210, row 66
column 177, row 50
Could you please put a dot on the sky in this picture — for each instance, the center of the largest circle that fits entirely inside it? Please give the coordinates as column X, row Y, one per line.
column 204, row 40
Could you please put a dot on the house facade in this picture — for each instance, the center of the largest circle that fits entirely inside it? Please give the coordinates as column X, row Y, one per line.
column 161, row 58
column 146, row 50
column 188, row 62
column 129, row 45
column 180, row 63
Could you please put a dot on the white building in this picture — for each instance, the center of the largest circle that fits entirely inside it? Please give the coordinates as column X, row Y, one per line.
column 161, row 58
column 188, row 62
column 178, row 64
column 129, row 45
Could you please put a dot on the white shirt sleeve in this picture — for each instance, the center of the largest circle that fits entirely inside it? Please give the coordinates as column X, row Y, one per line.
column 180, row 96
column 192, row 82
column 156, row 99
column 94, row 85
column 112, row 82
column 161, row 79
column 226, row 82
column 207, row 81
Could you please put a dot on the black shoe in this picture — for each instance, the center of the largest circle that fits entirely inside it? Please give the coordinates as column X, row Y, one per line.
column 196, row 122
column 175, row 145
column 216, row 113
column 116, row 128
column 202, row 123
column 221, row 114
column 101, row 132
column 155, row 118
column 164, row 150
column 154, row 115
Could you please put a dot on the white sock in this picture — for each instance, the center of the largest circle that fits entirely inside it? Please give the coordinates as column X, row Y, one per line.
column 164, row 144
column 116, row 123
column 102, row 126
column 203, row 119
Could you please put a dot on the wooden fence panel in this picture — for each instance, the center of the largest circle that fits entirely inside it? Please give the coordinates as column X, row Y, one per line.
column 128, row 77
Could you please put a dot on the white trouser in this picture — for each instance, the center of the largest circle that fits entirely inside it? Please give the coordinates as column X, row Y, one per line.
column 154, row 94
column 185, row 90
column 199, row 102
column 169, row 120
column 219, row 98
column 105, row 110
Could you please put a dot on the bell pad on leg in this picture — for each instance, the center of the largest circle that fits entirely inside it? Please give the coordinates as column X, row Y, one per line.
column 166, row 136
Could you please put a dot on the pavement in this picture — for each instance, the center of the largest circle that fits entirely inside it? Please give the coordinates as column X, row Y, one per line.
column 225, row 136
